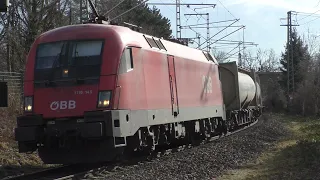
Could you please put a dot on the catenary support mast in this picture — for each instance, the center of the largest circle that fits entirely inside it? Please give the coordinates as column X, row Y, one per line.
column 290, row 63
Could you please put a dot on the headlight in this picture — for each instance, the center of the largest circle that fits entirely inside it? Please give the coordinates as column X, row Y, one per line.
column 28, row 103
column 104, row 99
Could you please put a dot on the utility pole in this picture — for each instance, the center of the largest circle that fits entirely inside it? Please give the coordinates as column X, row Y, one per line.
column 178, row 20
column 178, row 12
column 208, row 33
column 198, row 36
column 290, row 63
column 240, row 59
column 243, row 42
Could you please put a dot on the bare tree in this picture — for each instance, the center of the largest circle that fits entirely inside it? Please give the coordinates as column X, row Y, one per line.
column 220, row 56
column 262, row 60
column 25, row 20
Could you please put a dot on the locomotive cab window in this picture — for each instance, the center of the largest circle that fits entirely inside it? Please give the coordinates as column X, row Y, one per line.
column 48, row 53
column 86, row 53
column 80, row 59
column 126, row 61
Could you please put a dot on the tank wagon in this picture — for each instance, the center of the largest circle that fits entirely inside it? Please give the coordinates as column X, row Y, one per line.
column 94, row 92
column 241, row 94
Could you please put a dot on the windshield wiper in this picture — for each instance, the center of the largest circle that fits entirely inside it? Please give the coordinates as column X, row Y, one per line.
column 54, row 65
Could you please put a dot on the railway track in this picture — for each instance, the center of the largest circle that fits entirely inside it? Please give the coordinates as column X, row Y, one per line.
column 80, row 171
column 55, row 172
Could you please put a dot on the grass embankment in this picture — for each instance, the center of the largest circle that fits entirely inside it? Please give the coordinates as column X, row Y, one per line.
column 295, row 157
column 11, row 161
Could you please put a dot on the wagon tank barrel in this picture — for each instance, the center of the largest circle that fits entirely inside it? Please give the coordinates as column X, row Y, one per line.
column 239, row 86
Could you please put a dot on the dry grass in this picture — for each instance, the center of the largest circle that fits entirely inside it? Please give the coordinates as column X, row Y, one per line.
column 296, row 157
column 14, row 163
column 8, row 119
column 11, row 161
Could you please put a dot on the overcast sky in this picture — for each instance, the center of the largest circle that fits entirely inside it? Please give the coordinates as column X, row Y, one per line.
column 261, row 18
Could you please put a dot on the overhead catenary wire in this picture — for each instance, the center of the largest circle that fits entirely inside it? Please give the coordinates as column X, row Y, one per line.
column 142, row 2
column 197, row 12
column 114, row 7
column 230, row 14
column 204, row 7
column 232, row 42
column 221, row 31
column 226, row 9
column 178, row 4
column 203, row 27
column 195, row 27
column 201, row 16
column 234, row 53
column 215, row 22
column 226, row 46
column 310, row 21
column 197, row 33
column 308, row 15
column 234, row 17
column 227, row 35
column 233, row 49
column 190, row 27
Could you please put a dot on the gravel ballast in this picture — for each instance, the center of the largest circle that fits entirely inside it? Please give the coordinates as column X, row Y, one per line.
column 210, row 160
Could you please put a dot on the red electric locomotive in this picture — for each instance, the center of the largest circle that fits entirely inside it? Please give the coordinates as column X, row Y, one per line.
column 94, row 91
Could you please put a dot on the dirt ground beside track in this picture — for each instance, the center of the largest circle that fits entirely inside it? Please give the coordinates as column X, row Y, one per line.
column 297, row 156
column 277, row 147
column 11, row 161
column 211, row 160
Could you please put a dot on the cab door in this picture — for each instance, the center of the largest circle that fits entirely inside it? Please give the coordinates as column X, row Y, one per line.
column 173, row 86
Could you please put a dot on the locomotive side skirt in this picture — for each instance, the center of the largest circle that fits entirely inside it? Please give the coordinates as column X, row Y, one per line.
column 128, row 122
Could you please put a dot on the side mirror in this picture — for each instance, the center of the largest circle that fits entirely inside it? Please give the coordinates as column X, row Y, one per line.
column 3, row 94
column 4, row 5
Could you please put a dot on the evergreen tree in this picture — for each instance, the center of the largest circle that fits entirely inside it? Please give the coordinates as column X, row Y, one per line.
column 301, row 57
column 151, row 20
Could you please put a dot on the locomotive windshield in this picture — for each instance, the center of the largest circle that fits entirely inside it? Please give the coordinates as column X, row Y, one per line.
column 80, row 59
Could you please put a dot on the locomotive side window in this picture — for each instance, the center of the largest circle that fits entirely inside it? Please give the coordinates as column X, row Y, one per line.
column 154, row 43
column 151, row 42
column 126, row 62
column 160, row 44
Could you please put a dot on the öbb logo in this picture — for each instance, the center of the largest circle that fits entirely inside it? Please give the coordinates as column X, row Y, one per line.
column 55, row 105
column 207, row 84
